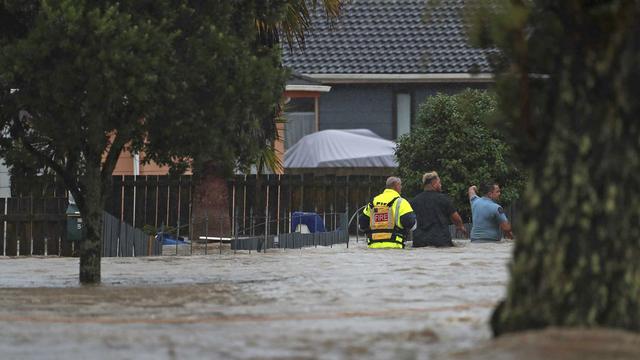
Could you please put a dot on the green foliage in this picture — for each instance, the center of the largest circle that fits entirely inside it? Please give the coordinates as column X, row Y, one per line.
column 568, row 81
column 176, row 79
column 452, row 138
column 223, row 93
column 179, row 79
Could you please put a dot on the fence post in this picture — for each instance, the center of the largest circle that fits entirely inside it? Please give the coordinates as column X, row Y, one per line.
column 161, row 235
column 251, row 224
column 346, row 224
column 235, row 234
column 264, row 240
column 206, row 231
column 177, row 235
column 266, row 220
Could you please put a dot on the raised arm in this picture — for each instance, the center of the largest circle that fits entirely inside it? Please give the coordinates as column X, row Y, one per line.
column 473, row 191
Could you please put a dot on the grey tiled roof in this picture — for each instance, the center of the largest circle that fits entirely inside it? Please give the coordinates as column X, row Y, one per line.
column 389, row 37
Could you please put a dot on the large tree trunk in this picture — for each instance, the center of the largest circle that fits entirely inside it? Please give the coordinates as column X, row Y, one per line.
column 210, row 208
column 576, row 258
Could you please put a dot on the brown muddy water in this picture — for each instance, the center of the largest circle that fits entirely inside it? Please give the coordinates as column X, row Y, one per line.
column 316, row 303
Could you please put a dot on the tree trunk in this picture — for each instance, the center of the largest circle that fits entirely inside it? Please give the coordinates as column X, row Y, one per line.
column 576, row 257
column 210, row 210
column 91, row 245
column 91, row 206
column 575, row 261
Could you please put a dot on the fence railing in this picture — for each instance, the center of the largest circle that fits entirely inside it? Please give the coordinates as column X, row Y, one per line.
column 297, row 230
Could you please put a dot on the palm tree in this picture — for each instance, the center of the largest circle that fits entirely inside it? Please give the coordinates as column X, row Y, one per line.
column 296, row 22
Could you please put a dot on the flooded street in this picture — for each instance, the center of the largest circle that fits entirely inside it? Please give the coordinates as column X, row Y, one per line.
column 313, row 303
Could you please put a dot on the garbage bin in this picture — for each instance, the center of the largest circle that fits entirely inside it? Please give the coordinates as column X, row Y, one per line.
column 75, row 227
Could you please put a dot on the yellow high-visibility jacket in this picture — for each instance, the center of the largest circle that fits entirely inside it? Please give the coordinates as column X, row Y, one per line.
column 403, row 220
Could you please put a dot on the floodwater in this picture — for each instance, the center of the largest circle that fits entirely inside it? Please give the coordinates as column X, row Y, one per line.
column 312, row 303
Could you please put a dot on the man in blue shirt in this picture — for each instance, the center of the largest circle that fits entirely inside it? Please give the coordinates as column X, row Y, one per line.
column 488, row 217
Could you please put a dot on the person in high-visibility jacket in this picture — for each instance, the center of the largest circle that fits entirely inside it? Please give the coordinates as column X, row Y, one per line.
column 388, row 218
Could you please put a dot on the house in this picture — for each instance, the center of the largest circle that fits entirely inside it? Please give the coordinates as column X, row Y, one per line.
column 382, row 60
column 372, row 70
column 301, row 111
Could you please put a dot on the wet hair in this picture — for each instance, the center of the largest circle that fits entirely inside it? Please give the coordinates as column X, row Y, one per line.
column 487, row 187
column 428, row 177
column 392, row 181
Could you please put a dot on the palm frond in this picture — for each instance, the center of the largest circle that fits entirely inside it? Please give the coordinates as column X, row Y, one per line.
column 296, row 22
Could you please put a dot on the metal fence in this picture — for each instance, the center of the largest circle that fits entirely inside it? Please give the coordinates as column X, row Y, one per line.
column 328, row 229
column 122, row 239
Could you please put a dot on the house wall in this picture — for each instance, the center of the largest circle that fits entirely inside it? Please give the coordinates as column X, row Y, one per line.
column 125, row 166
column 372, row 106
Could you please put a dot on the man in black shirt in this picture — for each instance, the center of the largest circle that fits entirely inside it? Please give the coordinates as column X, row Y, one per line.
column 434, row 211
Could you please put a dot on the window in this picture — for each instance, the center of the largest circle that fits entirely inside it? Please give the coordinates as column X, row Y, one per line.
column 301, row 120
column 403, row 114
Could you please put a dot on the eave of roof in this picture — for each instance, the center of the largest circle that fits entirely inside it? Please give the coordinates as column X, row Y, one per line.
column 315, row 88
column 402, row 78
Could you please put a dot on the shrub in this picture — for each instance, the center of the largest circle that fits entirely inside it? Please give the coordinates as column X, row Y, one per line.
column 452, row 137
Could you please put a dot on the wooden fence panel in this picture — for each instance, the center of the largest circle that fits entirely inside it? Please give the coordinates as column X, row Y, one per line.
column 38, row 235
column 173, row 204
column 53, row 233
column 184, row 205
column 2, row 226
column 285, row 202
column 273, row 182
column 24, row 237
column 128, row 199
column 67, row 247
column 249, row 205
column 116, row 195
column 163, row 198
column 12, row 227
column 151, row 207
column 139, row 208
column 11, row 242
column 57, row 206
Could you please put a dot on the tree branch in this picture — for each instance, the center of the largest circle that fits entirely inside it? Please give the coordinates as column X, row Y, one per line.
column 113, row 153
column 61, row 170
